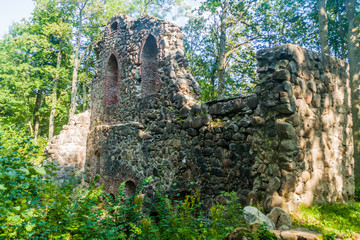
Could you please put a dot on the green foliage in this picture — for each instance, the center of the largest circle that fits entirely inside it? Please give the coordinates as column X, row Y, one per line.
column 187, row 219
column 357, row 192
column 202, row 43
column 32, row 207
column 19, row 191
column 15, row 138
column 262, row 233
column 331, row 219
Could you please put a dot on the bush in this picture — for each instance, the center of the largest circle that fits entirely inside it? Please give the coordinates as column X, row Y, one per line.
column 19, row 189
column 187, row 220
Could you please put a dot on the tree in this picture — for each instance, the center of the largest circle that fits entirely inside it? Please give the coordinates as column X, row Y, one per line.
column 89, row 19
column 54, row 16
column 215, row 38
column 323, row 27
column 80, row 6
column 286, row 21
column 337, row 22
column 353, row 50
column 157, row 8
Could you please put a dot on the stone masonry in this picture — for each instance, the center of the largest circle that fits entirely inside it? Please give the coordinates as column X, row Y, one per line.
column 68, row 149
column 288, row 143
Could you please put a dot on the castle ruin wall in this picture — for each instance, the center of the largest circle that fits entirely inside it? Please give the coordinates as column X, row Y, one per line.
column 288, row 143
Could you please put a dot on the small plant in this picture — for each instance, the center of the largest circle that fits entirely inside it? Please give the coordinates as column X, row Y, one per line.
column 262, row 233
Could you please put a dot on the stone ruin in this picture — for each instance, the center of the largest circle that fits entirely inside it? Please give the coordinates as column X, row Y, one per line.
column 288, row 143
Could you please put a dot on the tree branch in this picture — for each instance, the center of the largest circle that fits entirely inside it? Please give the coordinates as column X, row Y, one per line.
column 238, row 45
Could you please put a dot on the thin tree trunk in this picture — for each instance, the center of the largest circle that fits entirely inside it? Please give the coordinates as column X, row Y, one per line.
column 54, row 97
column 84, row 95
column 31, row 128
column 323, row 27
column 76, row 68
column 353, row 47
column 222, row 50
column 87, row 66
column 341, row 33
column 36, row 117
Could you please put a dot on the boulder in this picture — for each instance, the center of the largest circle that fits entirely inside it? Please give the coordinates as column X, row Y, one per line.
column 239, row 233
column 254, row 216
column 298, row 233
column 280, row 218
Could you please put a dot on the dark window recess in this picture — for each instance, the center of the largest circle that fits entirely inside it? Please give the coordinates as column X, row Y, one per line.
column 130, row 188
column 150, row 83
column 114, row 26
column 111, row 82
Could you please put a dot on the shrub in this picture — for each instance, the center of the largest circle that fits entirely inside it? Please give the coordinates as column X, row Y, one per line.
column 187, row 219
column 19, row 189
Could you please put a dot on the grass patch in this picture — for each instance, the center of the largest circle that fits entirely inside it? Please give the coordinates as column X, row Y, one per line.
column 342, row 220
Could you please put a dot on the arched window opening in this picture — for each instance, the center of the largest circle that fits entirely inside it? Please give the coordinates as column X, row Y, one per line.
column 114, row 26
column 150, row 83
column 111, row 82
column 130, row 188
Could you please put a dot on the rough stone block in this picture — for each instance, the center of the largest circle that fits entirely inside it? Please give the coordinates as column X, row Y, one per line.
column 286, row 131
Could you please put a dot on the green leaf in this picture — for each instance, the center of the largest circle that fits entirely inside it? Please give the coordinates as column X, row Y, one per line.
column 24, row 170
column 2, row 187
column 37, row 171
column 15, row 219
column 29, row 227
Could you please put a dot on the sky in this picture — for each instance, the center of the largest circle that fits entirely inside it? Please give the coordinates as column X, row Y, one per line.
column 13, row 11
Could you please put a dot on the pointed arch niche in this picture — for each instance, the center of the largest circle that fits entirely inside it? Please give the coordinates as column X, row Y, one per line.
column 150, row 83
column 111, row 81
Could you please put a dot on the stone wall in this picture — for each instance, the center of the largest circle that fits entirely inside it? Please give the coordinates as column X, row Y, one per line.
column 305, row 149
column 126, row 138
column 288, row 143
column 68, row 149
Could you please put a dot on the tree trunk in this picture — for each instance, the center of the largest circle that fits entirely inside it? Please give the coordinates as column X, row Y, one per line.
column 84, row 95
column 31, row 128
column 222, row 50
column 76, row 68
column 84, row 84
column 36, row 114
column 54, row 97
column 353, row 48
column 323, row 27
column 341, row 33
